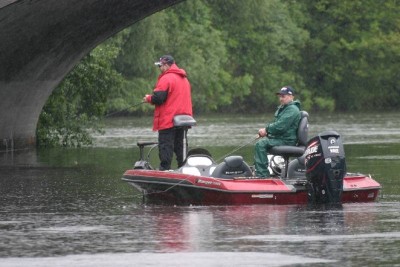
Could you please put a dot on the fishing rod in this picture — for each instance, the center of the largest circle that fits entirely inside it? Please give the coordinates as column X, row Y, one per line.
column 238, row 148
column 119, row 111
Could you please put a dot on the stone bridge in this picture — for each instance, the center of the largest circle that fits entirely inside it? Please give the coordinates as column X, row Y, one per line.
column 41, row 41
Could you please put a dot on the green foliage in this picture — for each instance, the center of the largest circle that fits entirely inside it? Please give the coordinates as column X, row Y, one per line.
column 263, row 43
column 186, row 32
column 199, row 48
column 353, row 53
column 325, row 104
column 338, row 55
column 74, row 108
column 236, row 53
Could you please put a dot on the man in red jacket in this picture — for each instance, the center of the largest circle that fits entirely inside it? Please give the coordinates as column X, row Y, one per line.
column 171, row 96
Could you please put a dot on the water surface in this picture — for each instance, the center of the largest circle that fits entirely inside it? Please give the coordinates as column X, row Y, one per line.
column 68, row 207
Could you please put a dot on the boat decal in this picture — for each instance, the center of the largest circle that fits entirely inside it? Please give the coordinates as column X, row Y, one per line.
column 263, row 196
column 201, row 181
column 311, row 150
column 143, row 182
column 334, row 149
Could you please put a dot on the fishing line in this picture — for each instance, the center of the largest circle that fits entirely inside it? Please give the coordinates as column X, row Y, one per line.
column 184, row 180
column 144, row 194
column 119, row 111
column 238, row 148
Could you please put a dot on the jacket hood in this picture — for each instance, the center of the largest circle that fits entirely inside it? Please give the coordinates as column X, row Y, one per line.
column 175, row 69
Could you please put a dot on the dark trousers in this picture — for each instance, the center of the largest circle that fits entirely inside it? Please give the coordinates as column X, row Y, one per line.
column 170, row 141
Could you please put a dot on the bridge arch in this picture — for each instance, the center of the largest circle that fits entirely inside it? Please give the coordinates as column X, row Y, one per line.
column 41, row 41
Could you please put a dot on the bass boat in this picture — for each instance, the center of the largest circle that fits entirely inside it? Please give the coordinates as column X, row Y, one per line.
column 316, row 175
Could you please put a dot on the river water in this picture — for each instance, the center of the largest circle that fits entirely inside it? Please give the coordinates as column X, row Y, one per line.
column 69, row 207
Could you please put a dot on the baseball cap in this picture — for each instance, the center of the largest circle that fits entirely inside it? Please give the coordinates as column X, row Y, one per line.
column 167, row 59
column 287, row 90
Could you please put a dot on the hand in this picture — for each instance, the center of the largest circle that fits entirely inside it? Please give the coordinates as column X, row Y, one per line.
column 145, row 98
column 262, row 132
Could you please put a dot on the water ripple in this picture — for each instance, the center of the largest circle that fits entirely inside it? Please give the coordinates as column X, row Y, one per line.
column 304, row 238
column 220, row 259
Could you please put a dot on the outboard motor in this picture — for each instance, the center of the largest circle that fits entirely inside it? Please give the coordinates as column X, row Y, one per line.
column 325, row 168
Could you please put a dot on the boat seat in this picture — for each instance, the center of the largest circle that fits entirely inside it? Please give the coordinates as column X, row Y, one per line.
column 231, row 167
column 190, row 170
column 199, row 151
column 287, row 152
column 185, row 122
column 199, row 165
column 297, row 168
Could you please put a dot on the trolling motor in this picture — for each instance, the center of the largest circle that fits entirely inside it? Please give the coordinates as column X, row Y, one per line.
column 325, row 168
column 142, row 163
column 180, row 121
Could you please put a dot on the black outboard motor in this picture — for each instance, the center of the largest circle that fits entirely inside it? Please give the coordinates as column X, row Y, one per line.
column 325, row 168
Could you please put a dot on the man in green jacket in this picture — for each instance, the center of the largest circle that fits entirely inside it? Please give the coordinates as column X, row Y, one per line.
column 282, row 131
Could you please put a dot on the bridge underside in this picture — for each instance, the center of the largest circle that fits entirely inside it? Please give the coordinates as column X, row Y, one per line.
column 41, row 41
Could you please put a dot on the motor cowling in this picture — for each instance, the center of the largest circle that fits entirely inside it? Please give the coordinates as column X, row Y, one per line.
column 325, row 168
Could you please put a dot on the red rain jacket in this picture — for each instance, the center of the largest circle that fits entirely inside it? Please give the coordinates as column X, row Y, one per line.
column 178, row 99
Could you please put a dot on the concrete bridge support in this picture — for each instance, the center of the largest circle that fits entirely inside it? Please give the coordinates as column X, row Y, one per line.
column 41, row 41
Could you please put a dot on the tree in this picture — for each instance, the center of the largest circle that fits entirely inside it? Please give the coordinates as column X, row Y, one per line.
column 186, row 32
column 139, row 49
column 342, row 55
column 353, row 52
column 263, row 42
column 77, row 104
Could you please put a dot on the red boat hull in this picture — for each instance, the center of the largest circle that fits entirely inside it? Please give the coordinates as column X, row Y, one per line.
column 182, row 189
column 359, row 188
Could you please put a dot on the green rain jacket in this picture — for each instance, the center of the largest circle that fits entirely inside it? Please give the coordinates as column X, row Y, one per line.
column 286, row 122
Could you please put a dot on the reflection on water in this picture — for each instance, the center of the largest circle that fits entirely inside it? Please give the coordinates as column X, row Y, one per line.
column 69, row 207
column 222, row 235
column 170, row 260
